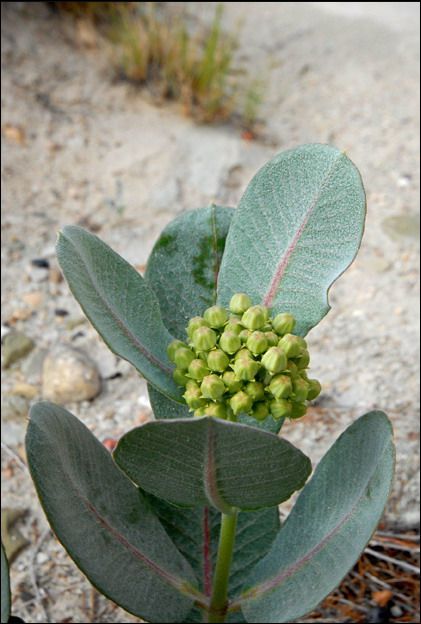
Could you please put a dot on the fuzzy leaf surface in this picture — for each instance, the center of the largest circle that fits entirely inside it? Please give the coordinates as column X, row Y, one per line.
column 119, row 304
column 208, row 461
column 330, row 524
column 99, row 516
column 298, row 226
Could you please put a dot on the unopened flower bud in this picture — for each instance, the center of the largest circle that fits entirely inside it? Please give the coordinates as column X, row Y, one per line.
column 239, row 303
column 203, row 339
column 198, row 369
column 182, row 358
column 303, row 361
column 173, row 347
column 245, row 368
column 215, row 316
column 243, row 353
column 256, row 390
column 198, row 413
column 300, row 388
column 244, row 334
column 212, row 387
column 283, row 323
column 314, row 389
column 272, row 338
column 179, row 377
column 255, row 317
column 195, row 323
column 281, row 386
column 229, row 342
column 217, row 410
column 292, row 368
column 231, row 381
column 217, row 360
column 260, row 411
column 274, row 360
column 291, row 345
column 298, row 410
column 193, row 398
column 257, row 342
column 280, row 408
column 241, row 403
column 234, row 326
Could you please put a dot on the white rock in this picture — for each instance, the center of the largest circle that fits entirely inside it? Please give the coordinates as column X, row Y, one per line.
column 69, row 375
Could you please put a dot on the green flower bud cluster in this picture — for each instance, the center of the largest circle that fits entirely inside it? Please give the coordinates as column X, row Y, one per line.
column 242, row 361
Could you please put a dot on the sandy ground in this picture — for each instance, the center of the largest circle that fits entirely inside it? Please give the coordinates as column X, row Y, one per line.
column 80, row 148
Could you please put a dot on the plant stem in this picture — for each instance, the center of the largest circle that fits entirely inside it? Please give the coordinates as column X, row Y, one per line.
column 218, row 603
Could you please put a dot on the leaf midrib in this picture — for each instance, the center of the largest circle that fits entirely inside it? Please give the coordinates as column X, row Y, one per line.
column 271, row 584
column 138, row 345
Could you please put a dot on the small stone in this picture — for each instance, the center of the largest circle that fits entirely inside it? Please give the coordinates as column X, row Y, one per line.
column 55, row 275
column 42, row 558
column 32, row 366
column 33, row 299
column 69, row 375
column 22, row 389
column 402, row 226
column 41, row 263
column 15, row 346
column 14, row 408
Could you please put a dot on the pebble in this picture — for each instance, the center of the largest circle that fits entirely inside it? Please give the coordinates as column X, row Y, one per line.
column 33, row 299
column 69, row 375
column 15, row 346
column 14, row 408
column 41, row 263
column 25, row 390
column 55, row 275
column 32, row 366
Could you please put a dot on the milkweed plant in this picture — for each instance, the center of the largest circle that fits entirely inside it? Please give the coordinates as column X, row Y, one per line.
column 181, row 523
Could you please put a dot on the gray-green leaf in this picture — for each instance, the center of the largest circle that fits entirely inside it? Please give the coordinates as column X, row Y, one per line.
column 332, row 521
column 5, row 588
column 297, row 228
column 184, row 264
column 107, row 528
column 119, row 304
column 196, row 462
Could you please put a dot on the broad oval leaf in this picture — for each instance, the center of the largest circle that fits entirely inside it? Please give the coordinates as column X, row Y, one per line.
column 297, row 228
column 184, row 264
column 332, row 521
column 5, row 588
column 195, row 532
column 196, row 462
column 103, row 522
column 119, row 304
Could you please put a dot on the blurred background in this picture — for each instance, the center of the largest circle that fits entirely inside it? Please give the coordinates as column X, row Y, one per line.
column 120, row 116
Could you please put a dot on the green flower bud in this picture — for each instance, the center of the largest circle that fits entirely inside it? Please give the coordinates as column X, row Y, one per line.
column 246, row 368
column 241, row 402
column 173, row 347
column 193, row 398
column 292, row 368
column 234, row 325
column 239, row 303
column 281, row 386
column 283, row 323
column 255, row 317
column 212, row 387
column 204, row 339
column 272, row 338
column 291, row 345
column 274, row 360
column 304, row 360
column 217, row 360
column 314, row 389
column 260, row 411
column 243, row 353
column 280, row 408
column 195, row 323
column 182, row 358
column 298, row 410
column 256, row 390
column 231, row 381
column 217, row 410
column 198, row 369
column 244, row 334
column 201, row 411
column 179, row 377
column 229, row 342
column 300, row 388
column 215, row 316
column 257, row 342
